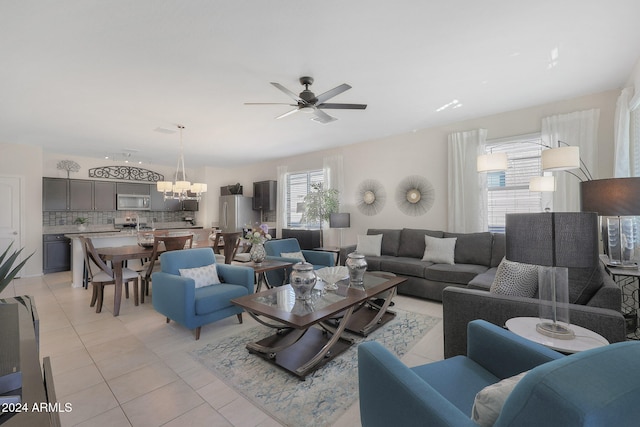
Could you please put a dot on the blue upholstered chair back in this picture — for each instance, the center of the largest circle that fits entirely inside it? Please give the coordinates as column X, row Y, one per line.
column 276, row 247
column 187, row 258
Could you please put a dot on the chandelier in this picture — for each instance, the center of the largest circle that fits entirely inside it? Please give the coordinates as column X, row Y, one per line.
column 181, row 189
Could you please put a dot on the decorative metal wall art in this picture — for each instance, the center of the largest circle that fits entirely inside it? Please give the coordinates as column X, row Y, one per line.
column 415, row 195
column 69, row 166
column 125, row 172
column 370, row 197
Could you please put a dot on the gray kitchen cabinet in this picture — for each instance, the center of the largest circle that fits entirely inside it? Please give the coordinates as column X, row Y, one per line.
column 80, row 195
column 159, row 204
column 56, row 253
column 132, row 188
column 55, row 194
column 264, row 195
column 104, row 196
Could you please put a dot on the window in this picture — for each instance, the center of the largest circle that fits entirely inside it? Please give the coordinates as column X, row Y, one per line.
column 508, row 191
column 298, row 185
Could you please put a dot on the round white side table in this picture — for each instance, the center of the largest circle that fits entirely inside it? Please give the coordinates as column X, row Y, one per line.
column 585, row 339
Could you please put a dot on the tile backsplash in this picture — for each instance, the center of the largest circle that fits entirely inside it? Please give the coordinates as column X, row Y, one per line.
column 105, row 218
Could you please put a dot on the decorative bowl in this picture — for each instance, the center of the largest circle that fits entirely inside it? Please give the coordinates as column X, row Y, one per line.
column 330, row 275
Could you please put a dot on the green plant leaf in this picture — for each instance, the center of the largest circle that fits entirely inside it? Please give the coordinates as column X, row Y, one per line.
column 6, row 272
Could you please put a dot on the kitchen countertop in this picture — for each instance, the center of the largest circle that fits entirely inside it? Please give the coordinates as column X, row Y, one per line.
column 109, row 229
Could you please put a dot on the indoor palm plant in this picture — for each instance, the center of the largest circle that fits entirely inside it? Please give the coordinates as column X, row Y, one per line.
column 6, row 262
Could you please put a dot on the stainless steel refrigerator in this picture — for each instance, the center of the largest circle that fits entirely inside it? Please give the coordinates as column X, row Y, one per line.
column 236, row 213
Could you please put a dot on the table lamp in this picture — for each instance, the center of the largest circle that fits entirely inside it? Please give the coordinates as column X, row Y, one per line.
column 340, row 220
column 555, row 241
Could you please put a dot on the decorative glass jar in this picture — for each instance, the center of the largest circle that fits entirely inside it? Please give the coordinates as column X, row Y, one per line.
column 303, row 279
column 257, row 253
column 357, row 265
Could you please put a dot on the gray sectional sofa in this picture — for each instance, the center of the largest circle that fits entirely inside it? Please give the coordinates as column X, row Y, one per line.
column 463, row 287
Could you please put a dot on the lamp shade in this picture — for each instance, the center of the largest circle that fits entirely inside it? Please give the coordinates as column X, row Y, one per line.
column 558, row 239
column 340, row 220
column 611, row 197
column 164, row 186
column 492, row 162
column 542, row 183
column 561, row 159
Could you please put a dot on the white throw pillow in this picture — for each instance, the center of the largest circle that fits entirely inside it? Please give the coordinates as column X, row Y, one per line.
column 202, row 276
column 439, row 250
column 296, row 255
column 490, row 400
column 369, row 245
column 515, row 279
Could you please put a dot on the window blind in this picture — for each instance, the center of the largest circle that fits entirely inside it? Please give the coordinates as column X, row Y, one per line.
column 298, row 186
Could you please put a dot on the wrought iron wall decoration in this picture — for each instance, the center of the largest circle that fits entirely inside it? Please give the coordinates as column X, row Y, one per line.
column 370, row 197
column 125, row 172
column 415, row 195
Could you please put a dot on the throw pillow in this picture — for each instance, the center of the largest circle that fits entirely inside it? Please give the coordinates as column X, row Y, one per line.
column 439, row 250
column 202, row 276
column 296, row 255
column 369, row 245
column 515, row 279
column 490, row 400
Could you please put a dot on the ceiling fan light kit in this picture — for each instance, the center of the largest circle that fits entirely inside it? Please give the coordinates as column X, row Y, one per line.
column 307, row 102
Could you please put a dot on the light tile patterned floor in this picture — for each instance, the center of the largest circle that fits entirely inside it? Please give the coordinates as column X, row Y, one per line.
column 133, row 370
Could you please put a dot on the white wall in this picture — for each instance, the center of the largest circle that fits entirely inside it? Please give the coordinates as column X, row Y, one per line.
column 25, row 161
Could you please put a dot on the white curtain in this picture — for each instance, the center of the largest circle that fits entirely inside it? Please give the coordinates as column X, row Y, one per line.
column 281, row 209
column 333, row 172
column 467, row 206
column 576, row 129
column 622, row 162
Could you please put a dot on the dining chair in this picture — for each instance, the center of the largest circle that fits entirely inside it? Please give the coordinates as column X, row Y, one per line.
column 231, row 243
column 105, row 276
column 169, row 243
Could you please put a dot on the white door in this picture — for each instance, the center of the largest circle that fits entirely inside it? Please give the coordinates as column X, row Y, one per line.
column 10, row 214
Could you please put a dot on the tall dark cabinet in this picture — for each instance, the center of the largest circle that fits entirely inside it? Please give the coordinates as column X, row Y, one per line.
column 264, row 195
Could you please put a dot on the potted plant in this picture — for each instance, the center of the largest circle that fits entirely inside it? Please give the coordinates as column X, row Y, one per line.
column 319, row 204
column 81, row 221
column 6, row 273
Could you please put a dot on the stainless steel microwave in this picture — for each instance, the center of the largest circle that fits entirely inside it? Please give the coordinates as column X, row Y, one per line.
column 134, row 202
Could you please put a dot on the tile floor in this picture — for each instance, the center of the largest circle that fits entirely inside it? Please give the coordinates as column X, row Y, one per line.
column 134, row 370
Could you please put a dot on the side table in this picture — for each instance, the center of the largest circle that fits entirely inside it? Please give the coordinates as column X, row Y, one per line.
column 628, row 280
column 585, row 339
column 330, row 249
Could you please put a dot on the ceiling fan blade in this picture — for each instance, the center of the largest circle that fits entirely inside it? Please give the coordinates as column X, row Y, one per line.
column 289, row 93
column 270, row 103
column 343, row 106
column 288, row 113
column 331, row 93
column 322, row 117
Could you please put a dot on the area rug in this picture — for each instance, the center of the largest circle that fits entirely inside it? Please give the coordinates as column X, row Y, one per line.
column 325, row 394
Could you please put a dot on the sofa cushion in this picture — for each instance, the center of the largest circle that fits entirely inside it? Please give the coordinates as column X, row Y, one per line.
column 498, row 249
column 460, row 274
column 584, row 283
column 473, row 248
column 490, row 400
column 483, row 281
column 214, row 298
column 202, row 276
column 516, row 279
column 439, row 250
column 296, row 255
column 390, row 240
column 412, row 242
column 369, row 245
column 404, row 266
column 373, row 262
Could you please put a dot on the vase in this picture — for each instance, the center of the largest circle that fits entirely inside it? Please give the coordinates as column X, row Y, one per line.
column 303, row 280
column 257, row 253
column 357, row 265
column 82, row 227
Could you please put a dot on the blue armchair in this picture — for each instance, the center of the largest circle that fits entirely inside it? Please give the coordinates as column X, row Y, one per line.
column 274, row 249
column 595, row 387
column 178, row 299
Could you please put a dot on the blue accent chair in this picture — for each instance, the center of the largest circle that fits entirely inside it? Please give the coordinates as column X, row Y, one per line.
column 599, row 387
column 274, row 248
column 177, row 298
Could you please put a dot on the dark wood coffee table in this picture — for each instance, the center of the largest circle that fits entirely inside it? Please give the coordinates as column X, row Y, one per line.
column 309, row 333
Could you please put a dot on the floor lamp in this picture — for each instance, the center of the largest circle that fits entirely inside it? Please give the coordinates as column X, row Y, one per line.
column 618, row 199
column 555, row 241
column 340, row 220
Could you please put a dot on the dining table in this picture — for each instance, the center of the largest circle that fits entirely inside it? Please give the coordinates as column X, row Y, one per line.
column 117, row 255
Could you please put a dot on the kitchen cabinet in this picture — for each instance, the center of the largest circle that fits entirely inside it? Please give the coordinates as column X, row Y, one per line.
column 264, row 195
column 104, row 196
column 159, row 204
column 56, row 253
column 132, row 188
column 55, row 194
column 80, row 195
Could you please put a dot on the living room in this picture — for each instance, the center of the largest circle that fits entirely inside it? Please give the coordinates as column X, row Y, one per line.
column 418, row 149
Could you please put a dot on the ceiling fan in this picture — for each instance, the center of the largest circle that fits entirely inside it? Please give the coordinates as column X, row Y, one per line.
column 308, row 102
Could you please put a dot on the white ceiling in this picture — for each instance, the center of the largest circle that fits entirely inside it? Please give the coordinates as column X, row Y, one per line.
column 91, row 77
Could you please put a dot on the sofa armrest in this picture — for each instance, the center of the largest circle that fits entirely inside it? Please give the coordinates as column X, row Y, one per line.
column 461, row 305
column 173, row 296
column 391, row 394
column 345, row 251
column 319, row 257
column 237, row 275
column 504, row 353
